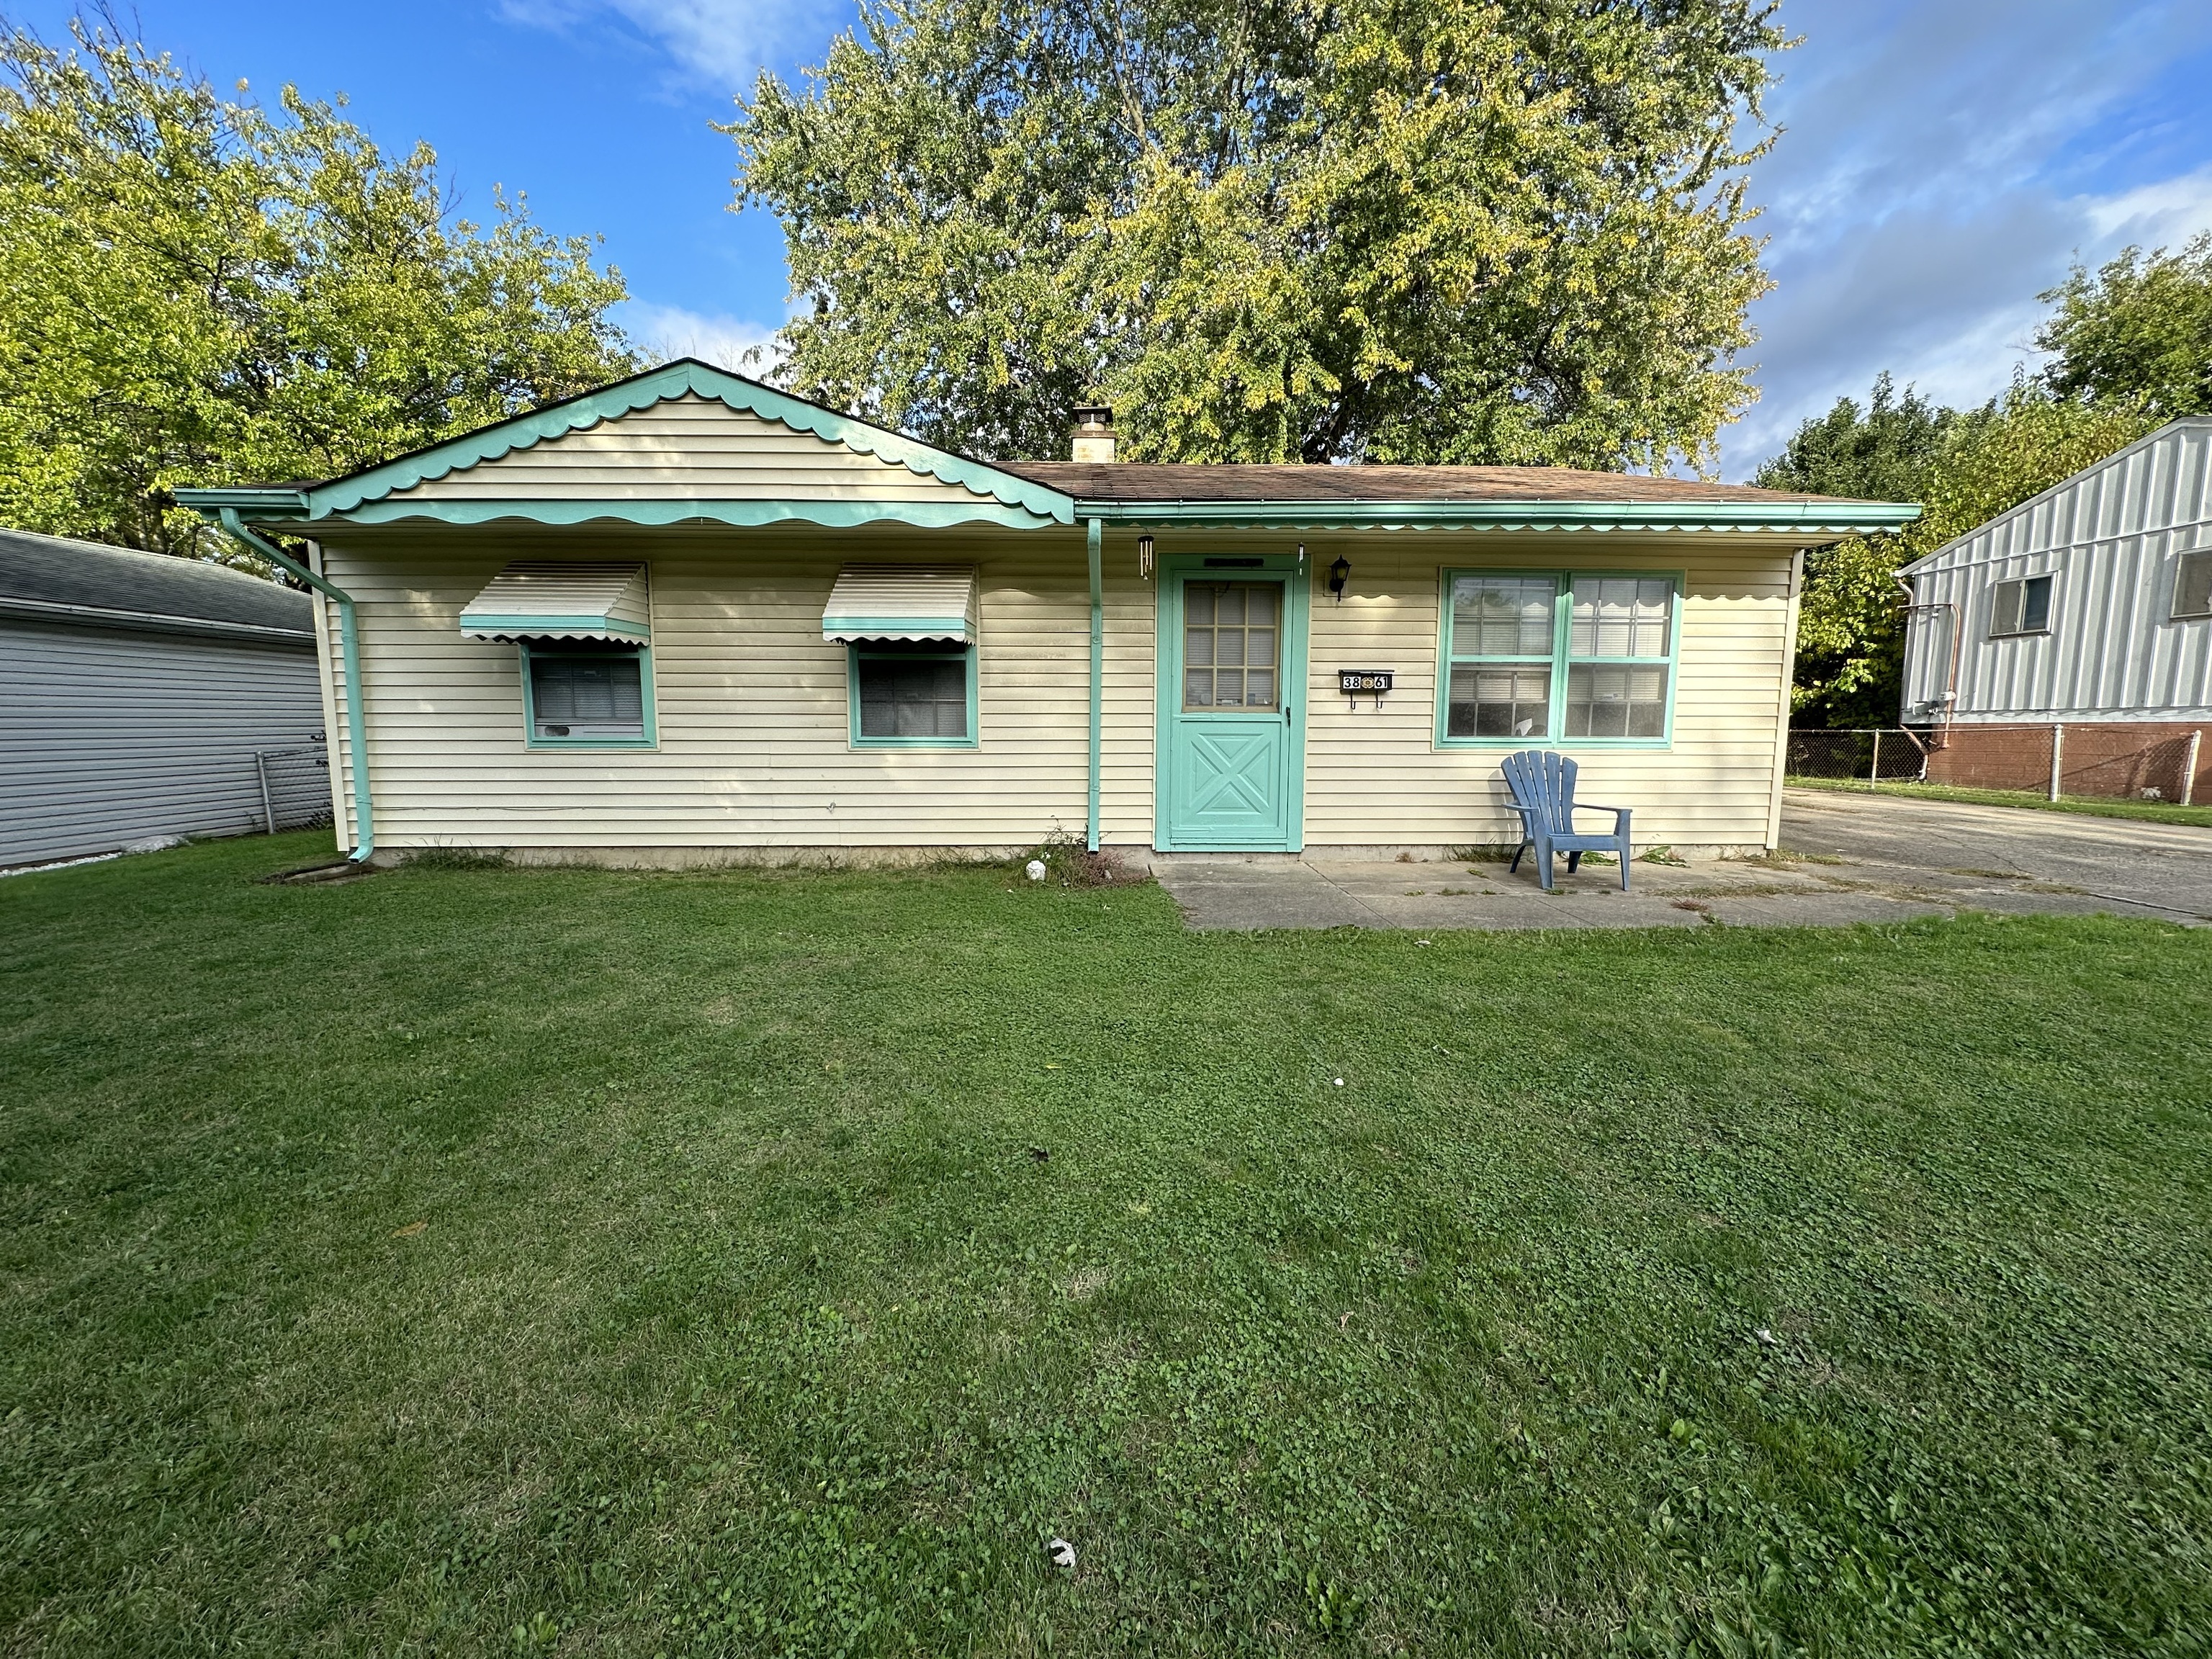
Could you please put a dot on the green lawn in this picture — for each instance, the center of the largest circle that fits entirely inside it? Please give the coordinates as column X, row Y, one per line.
column 473, row 1261
column 2096, row 807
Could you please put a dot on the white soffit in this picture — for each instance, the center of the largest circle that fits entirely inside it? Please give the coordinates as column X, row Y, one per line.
column 546, row 599
column 901, row 602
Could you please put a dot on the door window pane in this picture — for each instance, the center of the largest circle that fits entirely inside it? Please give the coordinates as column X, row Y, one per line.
column 1621, row 617
column 1606, row 701
column 597, row 693
column 1230, row 634
column 913, row 696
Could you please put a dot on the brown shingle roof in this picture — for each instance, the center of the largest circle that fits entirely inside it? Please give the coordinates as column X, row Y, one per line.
column 1138, row 482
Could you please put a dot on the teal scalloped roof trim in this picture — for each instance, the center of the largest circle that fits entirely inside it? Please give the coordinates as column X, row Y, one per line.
column 686, row 376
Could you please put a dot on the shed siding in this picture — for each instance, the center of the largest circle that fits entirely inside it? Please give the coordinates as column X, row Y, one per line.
column 107, row 738
column 753, row 717
column 2112, row 539
column 691, row 448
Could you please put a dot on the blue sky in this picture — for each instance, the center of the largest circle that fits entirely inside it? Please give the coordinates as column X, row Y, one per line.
column 1940, row 162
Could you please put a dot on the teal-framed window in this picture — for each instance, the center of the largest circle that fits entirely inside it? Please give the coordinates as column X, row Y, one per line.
column 911, row 694
column 587, row 695
column 1538, row 658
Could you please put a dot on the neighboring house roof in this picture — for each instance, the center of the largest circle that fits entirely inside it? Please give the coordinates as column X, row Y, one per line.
column 49, row 578
column 1026, row 494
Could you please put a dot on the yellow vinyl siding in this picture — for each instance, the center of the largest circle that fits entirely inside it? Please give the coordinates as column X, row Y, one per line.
column 751, row 701
column 1380, row 779
column 754, row 722
column 692, row 448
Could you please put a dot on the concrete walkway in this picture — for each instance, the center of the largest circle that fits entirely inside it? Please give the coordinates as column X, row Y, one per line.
column 1848, row 858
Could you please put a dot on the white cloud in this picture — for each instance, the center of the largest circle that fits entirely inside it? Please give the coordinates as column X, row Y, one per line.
column 725, row 41
column 735, row 343
column 1938, row 171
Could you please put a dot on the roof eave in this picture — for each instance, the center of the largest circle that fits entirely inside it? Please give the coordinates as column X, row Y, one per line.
column 1818, row 518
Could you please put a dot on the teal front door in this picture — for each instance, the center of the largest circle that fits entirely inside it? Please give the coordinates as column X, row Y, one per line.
column 1232, row 657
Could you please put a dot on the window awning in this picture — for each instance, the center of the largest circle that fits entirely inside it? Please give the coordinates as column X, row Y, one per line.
column 546, row 599
column 901, row 602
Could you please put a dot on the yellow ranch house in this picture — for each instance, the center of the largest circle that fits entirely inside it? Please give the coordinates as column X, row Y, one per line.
column 692, row 619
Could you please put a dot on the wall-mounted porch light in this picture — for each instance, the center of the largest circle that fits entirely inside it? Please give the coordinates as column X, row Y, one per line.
column 1339, row 573
column 1144, row 557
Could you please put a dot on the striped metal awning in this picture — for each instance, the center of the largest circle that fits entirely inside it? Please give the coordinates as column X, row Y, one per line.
column 901, row 602
column 545, row 599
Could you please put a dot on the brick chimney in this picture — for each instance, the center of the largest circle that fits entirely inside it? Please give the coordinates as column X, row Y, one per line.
column 1094, row 432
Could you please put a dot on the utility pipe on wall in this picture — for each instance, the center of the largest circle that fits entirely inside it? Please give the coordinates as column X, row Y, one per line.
column 1097, row 533
column 349, row 650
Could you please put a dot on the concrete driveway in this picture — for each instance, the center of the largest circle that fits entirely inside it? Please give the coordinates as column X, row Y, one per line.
column 1848, row 858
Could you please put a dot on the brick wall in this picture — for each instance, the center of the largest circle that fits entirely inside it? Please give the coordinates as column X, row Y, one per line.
column 2108, row 758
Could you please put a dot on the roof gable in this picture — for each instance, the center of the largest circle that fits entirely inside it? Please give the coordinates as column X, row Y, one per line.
column 374, row 493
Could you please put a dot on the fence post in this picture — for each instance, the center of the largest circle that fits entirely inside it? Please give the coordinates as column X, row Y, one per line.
column 2189, row 767
column 2058, row 750
column 268, row 812
column 1873, row 772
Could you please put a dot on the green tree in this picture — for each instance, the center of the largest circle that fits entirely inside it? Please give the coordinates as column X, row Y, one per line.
column 197, row 290
column 1965, row 468
column 1432, row 230
column 2140, row 330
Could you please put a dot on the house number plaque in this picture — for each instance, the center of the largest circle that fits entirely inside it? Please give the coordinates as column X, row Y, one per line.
column 1357, row 683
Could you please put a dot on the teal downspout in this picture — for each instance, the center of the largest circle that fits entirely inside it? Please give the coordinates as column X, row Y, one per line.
column 349, row 648
column 1097, row 664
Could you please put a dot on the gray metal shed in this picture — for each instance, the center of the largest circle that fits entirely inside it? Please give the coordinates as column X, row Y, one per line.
column 145, row 697
column 2067, row 642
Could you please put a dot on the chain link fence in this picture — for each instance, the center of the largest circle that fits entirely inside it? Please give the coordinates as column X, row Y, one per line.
column 1887, row 754
column 295, row 786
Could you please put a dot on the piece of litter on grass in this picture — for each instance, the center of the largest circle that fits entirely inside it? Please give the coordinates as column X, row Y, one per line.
column 1034, row 869
column 1340, row 1083
column 1062, row 1554
column 1422, row 941
column 410, row 1229
column 1765, row 1336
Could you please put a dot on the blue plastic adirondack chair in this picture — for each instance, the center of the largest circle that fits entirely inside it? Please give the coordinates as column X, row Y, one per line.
column 1543, row 786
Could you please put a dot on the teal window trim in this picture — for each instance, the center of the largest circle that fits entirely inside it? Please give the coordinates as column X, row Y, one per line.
column 964, row 654
column 1558, row 662
column 651, row 739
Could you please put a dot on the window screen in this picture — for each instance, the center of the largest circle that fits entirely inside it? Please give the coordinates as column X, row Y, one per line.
column 1231, row 632
column 2020, row 606
column 2192, row 585
column 1503, row 635
column 913, row 695
column 587, row 695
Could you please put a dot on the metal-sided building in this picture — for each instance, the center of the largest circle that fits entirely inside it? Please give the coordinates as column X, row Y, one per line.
column 2067, row 644
column 143, row 697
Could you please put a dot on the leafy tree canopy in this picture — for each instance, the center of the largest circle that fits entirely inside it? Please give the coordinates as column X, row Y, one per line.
column 2139, row 329
column 1266, row 230
column 196, row 290
column 1965, row 468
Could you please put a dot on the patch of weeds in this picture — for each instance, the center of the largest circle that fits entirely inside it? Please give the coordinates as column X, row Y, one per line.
column 1068, row 863
column 1992, row 875
column 1661, row 854
column 1600, row 858
column 455, row 858
column 1483, row 852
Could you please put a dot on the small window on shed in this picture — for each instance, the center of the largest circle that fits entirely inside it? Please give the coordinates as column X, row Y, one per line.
column 2192, row 585
column 2020, row 606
